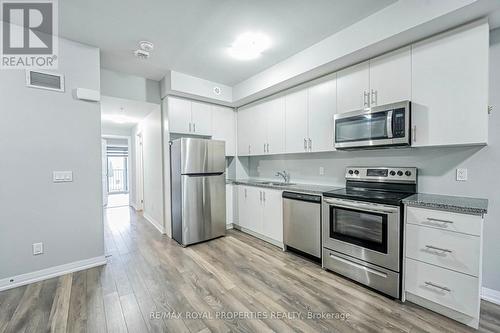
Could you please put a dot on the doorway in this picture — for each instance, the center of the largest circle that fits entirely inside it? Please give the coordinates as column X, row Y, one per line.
column 117, row 168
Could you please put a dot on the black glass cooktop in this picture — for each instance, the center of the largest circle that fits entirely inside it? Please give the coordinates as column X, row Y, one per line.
column 368, row 195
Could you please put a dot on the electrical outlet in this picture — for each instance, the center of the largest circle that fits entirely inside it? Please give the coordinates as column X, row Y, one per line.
column 461, row 174
column 321, row 171
column 37, row 248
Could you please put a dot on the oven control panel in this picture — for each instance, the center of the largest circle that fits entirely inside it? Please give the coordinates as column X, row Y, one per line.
column 382, row 174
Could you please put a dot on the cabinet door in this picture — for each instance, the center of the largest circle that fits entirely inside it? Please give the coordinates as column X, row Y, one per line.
column 275, row 114
column 296, row 122
column 201, row 118
column 353, row 85
column 243, row 207
column 390, row 77
column 450, row 88
column 223, row 127
column 244, row 131
column 258, row 130
column 229, row 204
column 322, row 107
column 179, row 115
column 272, row 216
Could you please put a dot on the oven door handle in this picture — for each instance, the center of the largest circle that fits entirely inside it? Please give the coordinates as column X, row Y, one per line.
column 361, row 206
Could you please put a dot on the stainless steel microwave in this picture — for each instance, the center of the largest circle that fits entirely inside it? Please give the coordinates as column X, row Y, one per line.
column 385, row 125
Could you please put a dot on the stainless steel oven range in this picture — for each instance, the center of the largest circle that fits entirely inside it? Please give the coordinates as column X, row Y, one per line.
column 362, row 226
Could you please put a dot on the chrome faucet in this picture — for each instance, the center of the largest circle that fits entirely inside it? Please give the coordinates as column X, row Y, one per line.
column 284, row 174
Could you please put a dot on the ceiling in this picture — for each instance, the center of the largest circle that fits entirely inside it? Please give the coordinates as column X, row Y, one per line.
column 192, row 36
column 134, row 111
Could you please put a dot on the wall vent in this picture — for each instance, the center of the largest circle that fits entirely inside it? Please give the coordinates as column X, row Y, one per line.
column 45, row 80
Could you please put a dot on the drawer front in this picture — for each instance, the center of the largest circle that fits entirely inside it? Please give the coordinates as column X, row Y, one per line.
column 453, row 290
column 469, row 224
column 379, row 278
column 452, row 250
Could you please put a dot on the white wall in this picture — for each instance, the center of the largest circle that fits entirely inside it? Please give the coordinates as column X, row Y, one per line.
column 43, row 131
column 111, row 130
column 437, row 167
column 128, row 86
column 150, row 128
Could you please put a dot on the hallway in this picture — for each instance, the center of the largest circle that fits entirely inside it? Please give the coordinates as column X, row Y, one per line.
column 234, row 283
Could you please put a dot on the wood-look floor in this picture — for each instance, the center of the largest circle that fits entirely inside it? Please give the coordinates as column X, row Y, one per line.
column 152, row 284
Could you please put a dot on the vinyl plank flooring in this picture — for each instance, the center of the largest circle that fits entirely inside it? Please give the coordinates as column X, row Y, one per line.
column 235, row 283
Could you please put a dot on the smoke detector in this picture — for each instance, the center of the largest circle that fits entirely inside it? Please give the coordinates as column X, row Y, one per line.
column 144, row 50
column 141, row 54
column 146, row 46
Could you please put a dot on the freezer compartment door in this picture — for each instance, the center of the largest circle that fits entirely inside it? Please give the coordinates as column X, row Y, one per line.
column 203, row 208
column 202, row 156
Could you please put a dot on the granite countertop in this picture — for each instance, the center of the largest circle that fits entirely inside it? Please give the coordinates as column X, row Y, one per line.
column 295, row 187
column 464, row 205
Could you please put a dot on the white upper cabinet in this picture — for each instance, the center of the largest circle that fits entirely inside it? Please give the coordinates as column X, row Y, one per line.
column 322, row 107
column 296, row 138
column 261, row 129
column 244, row 130
column 450, row 88
column 188, row 117
column 274, row 112
column 353, row 86
column 390, row 77
column 201, row 118
column 223, row 127
column 179, row 115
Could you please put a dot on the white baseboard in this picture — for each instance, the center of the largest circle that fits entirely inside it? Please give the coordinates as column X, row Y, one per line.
column 51, row 272
column 490, row 295
column 260, row 236
column 155, row 223
column 229, row 226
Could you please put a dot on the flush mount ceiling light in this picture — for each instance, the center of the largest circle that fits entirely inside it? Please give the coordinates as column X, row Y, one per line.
column 249, row 45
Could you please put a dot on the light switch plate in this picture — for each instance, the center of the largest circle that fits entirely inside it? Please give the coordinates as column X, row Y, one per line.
column 321, row 171
column 62, row 176
column 461, row 174
column 37, row 248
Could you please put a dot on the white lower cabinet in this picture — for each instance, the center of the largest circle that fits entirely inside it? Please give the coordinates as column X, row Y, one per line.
column 229, row 205
column 442, row 266
column 260, row 213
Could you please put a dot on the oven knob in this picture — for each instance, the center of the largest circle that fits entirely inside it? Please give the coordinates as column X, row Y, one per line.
column 393, row 173
column 400, row 173
column 351, row 172
column 408, row 173
column 356, row 172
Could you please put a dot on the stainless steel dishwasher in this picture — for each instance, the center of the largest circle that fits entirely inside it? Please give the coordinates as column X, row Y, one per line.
column 302, row 223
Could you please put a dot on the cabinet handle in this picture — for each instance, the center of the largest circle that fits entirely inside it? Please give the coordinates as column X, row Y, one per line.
column 189, row 127
column 194, row 127
column 264, row 196
column 428, row 283
column 414, row 133
column 431, row 219
column 268, row 147
column 260, row 193
column 310, row 144
column 374, row 97
column 245, row 193
column 249, row 150
column 431, row 247
column 366, row 98
column 264, row 147
column 305, row 144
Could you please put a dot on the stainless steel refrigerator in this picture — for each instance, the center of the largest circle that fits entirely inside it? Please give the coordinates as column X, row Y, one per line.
column 198, row 190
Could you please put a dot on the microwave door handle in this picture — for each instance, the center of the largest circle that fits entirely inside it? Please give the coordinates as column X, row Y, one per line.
column 389, row 124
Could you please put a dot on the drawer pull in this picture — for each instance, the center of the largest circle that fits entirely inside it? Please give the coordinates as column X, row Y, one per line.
column 430, row 247
column 431, row 219
column 428, row 283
